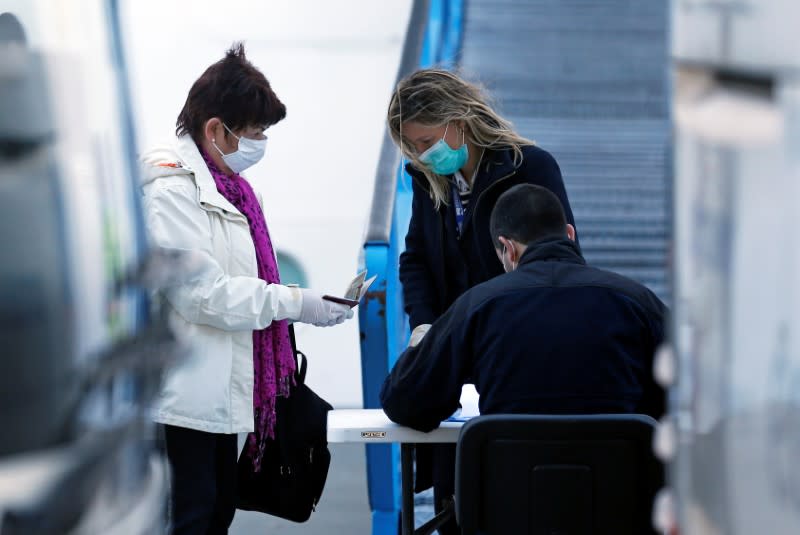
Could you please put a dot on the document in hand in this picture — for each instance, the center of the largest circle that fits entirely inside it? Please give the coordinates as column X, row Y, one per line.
column 355, row 291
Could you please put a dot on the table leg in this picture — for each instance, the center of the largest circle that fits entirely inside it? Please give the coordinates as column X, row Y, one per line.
column 407, row 488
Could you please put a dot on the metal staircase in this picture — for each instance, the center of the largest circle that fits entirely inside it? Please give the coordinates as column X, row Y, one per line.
column 587, row 79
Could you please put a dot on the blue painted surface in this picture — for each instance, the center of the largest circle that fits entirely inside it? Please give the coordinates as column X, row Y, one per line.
column 450, row 46
column 382, row 321
column 433, row 34
column 384, row 331
column 384, row 496
column 443, row 34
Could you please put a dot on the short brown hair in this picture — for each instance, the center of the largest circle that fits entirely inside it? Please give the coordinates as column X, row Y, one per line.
column 234, row 90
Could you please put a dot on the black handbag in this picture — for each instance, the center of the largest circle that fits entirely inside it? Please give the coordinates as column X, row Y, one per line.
column 295, row 464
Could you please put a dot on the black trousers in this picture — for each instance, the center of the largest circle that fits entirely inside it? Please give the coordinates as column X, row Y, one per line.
column 203, row 494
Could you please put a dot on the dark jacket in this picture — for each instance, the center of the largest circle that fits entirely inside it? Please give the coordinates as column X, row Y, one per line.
column 555, row 336
column 438, row 265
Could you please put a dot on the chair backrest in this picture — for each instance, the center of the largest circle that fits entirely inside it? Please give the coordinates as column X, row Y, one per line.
column 557, row 475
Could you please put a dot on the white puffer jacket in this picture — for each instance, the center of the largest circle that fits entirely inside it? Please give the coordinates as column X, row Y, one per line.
column 217, row 308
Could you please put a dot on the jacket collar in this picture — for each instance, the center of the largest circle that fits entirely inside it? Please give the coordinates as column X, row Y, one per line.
column 495, row 164
column 552, row 250
column 207, row 189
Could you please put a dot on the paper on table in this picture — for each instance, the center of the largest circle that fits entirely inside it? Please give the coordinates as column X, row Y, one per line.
column 469, row 405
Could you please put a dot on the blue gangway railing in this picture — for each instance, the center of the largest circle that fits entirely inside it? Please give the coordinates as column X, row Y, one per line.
column 433, row 38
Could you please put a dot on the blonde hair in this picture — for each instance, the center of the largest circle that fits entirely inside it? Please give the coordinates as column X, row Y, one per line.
column 435, row 97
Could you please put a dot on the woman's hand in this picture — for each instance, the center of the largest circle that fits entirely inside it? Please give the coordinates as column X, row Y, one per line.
column 320, row 312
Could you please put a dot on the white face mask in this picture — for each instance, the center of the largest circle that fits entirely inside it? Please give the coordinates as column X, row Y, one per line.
column 249, row 153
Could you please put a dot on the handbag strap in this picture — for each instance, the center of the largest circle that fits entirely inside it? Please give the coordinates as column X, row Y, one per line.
column 301, row 362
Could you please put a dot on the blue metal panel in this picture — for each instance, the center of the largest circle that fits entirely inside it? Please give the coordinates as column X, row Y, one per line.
column 433, row 34
column 384, row 331
column 396, row 317
column 442, row 34
column 451, row 40
column 382, row 480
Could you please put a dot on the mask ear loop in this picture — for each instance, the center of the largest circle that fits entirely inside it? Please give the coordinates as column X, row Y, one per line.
column 231, row 132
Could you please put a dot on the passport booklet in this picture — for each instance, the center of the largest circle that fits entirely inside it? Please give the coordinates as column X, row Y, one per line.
column 355, row 291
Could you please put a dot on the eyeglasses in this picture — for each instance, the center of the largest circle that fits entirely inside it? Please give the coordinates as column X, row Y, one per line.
column 258, row 136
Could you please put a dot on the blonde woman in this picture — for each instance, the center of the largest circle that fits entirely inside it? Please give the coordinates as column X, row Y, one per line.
column 462, row 157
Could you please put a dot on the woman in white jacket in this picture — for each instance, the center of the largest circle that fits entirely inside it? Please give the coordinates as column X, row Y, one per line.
column 231, row 307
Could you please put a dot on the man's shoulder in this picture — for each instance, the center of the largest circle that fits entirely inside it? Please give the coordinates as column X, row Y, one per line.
column 566, row 275
column 586, row 275
column 482, row 293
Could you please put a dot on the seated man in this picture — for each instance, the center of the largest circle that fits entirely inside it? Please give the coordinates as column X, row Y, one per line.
column 551, row 336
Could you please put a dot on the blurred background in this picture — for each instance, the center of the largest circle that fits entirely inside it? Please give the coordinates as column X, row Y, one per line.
column 677, row 128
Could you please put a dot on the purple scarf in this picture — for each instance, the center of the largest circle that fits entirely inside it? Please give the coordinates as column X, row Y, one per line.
column 273, row 357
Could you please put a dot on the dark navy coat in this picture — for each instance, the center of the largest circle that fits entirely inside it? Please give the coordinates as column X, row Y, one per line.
column 554, row 336
column 438, row 265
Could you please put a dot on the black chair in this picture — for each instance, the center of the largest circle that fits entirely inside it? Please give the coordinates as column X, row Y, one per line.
column 557, row 475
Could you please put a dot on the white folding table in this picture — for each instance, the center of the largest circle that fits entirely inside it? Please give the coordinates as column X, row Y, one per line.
column 372, row 426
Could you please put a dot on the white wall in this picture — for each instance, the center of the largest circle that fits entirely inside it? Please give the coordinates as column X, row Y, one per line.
column 333, row 64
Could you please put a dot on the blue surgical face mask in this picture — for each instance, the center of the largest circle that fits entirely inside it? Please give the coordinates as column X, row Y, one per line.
column 443, row 160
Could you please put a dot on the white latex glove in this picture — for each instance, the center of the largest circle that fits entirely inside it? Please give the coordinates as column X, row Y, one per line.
column 320, row 312
column 417, row 334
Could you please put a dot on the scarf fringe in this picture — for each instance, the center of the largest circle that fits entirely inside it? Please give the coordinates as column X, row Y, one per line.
column 266, row 421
